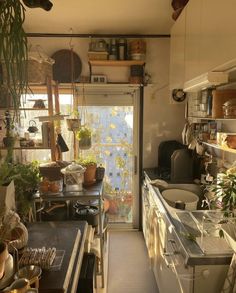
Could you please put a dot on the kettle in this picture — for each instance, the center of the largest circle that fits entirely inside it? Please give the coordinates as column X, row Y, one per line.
column 32, row 127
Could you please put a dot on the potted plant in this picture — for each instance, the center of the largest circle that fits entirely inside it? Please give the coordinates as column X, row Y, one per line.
column 7, row 187
column 26, row 179
column 223, row 192
column 90, row 164
column 74, row 123
column 25, row 186
column 84, row 135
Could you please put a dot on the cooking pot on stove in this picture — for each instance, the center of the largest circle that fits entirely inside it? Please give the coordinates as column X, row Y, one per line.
column 87, row 213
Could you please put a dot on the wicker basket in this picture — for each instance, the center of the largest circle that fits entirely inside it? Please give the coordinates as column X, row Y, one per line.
column 37, row 71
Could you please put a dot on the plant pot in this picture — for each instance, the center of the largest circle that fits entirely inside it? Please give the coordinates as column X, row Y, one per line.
column 7, row 199
column 90, row 175
column 3, row 258
column 8, row 141
column 85, row 143
column 73, row 124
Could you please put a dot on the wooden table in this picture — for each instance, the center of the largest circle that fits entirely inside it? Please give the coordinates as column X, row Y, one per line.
column 68, row 236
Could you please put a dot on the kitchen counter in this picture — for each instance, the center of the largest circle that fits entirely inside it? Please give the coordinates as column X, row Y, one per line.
column 190, row 250
column 68, row 236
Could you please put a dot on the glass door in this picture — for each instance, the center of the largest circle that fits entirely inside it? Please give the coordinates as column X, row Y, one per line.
column 113, row 118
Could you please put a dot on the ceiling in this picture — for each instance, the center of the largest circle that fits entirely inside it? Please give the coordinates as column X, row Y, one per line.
column 101, row 17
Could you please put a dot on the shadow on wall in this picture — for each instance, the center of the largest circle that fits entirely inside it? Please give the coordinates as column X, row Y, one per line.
column 164, row 123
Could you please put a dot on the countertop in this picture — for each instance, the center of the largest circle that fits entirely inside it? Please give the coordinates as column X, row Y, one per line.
column 68, row 236
column 191, row 250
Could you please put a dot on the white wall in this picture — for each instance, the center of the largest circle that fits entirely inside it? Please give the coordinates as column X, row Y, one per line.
column 162, row 119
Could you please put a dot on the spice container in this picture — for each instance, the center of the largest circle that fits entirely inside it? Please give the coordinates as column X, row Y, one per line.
column 229, row 109
column 113, row 50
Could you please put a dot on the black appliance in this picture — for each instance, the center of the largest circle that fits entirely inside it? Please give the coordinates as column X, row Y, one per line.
column 175, row 162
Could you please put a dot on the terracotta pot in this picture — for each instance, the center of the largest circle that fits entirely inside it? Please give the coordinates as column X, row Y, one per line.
column 90, row 175
column 3, row 258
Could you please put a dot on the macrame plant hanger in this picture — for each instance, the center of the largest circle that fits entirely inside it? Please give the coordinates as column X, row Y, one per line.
column 85, row 131
column 74, row 100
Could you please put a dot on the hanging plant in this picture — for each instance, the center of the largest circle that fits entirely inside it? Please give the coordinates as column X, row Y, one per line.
column 13, row 51
column 84, row 136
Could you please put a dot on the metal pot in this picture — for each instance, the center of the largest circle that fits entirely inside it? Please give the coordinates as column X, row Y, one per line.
column 32, row 127
column 87, row 213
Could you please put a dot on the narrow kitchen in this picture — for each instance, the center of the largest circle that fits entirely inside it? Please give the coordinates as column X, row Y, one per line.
column 117, row 146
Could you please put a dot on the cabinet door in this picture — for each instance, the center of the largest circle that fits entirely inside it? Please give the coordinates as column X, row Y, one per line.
column 177, row 53
column 193, row 39
column 218, row 44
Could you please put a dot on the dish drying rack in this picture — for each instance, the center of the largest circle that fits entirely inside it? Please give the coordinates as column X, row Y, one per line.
column 47, row 258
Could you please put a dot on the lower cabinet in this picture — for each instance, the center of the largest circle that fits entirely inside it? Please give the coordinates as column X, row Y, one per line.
column 168, row 255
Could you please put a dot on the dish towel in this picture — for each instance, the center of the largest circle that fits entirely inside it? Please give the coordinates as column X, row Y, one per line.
column 153, row 235
column 230, row 281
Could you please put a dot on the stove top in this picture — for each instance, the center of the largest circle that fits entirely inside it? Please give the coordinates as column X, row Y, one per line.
column 158, row 173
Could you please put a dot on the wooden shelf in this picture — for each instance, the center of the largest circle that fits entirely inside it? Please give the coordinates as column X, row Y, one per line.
column 25, row 109
column 116, row 62
column 219, row 147
column 27, row 148
column 213, row 119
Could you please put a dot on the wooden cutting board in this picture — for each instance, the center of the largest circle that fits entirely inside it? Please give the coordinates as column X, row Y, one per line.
column 67, row 67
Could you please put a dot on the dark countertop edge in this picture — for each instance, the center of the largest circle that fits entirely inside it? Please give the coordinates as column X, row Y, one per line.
column 78, row 263
column 192, row 259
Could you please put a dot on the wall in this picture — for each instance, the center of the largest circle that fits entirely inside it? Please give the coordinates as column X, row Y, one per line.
column 163, row 120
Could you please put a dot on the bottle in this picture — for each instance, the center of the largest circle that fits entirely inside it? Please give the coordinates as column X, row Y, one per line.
column 113, row 50
column 209, row 103
column 122, row 49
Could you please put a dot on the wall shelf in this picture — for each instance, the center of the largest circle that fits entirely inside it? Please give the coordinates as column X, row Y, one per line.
column 25, row 109
column 219, row 147
column 116, row 62
column 27, row 148
column 213, row 119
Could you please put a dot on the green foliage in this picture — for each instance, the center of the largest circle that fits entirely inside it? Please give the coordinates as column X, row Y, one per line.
column 224, row 189
column 84, row 132
column 26, row 179
column 86, row 161
column 13, row 49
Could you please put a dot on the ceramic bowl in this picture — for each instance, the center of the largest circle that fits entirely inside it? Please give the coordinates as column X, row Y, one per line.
column 29, row 272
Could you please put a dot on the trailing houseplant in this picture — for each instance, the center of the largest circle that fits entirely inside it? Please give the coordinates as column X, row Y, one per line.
column 13, row 50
